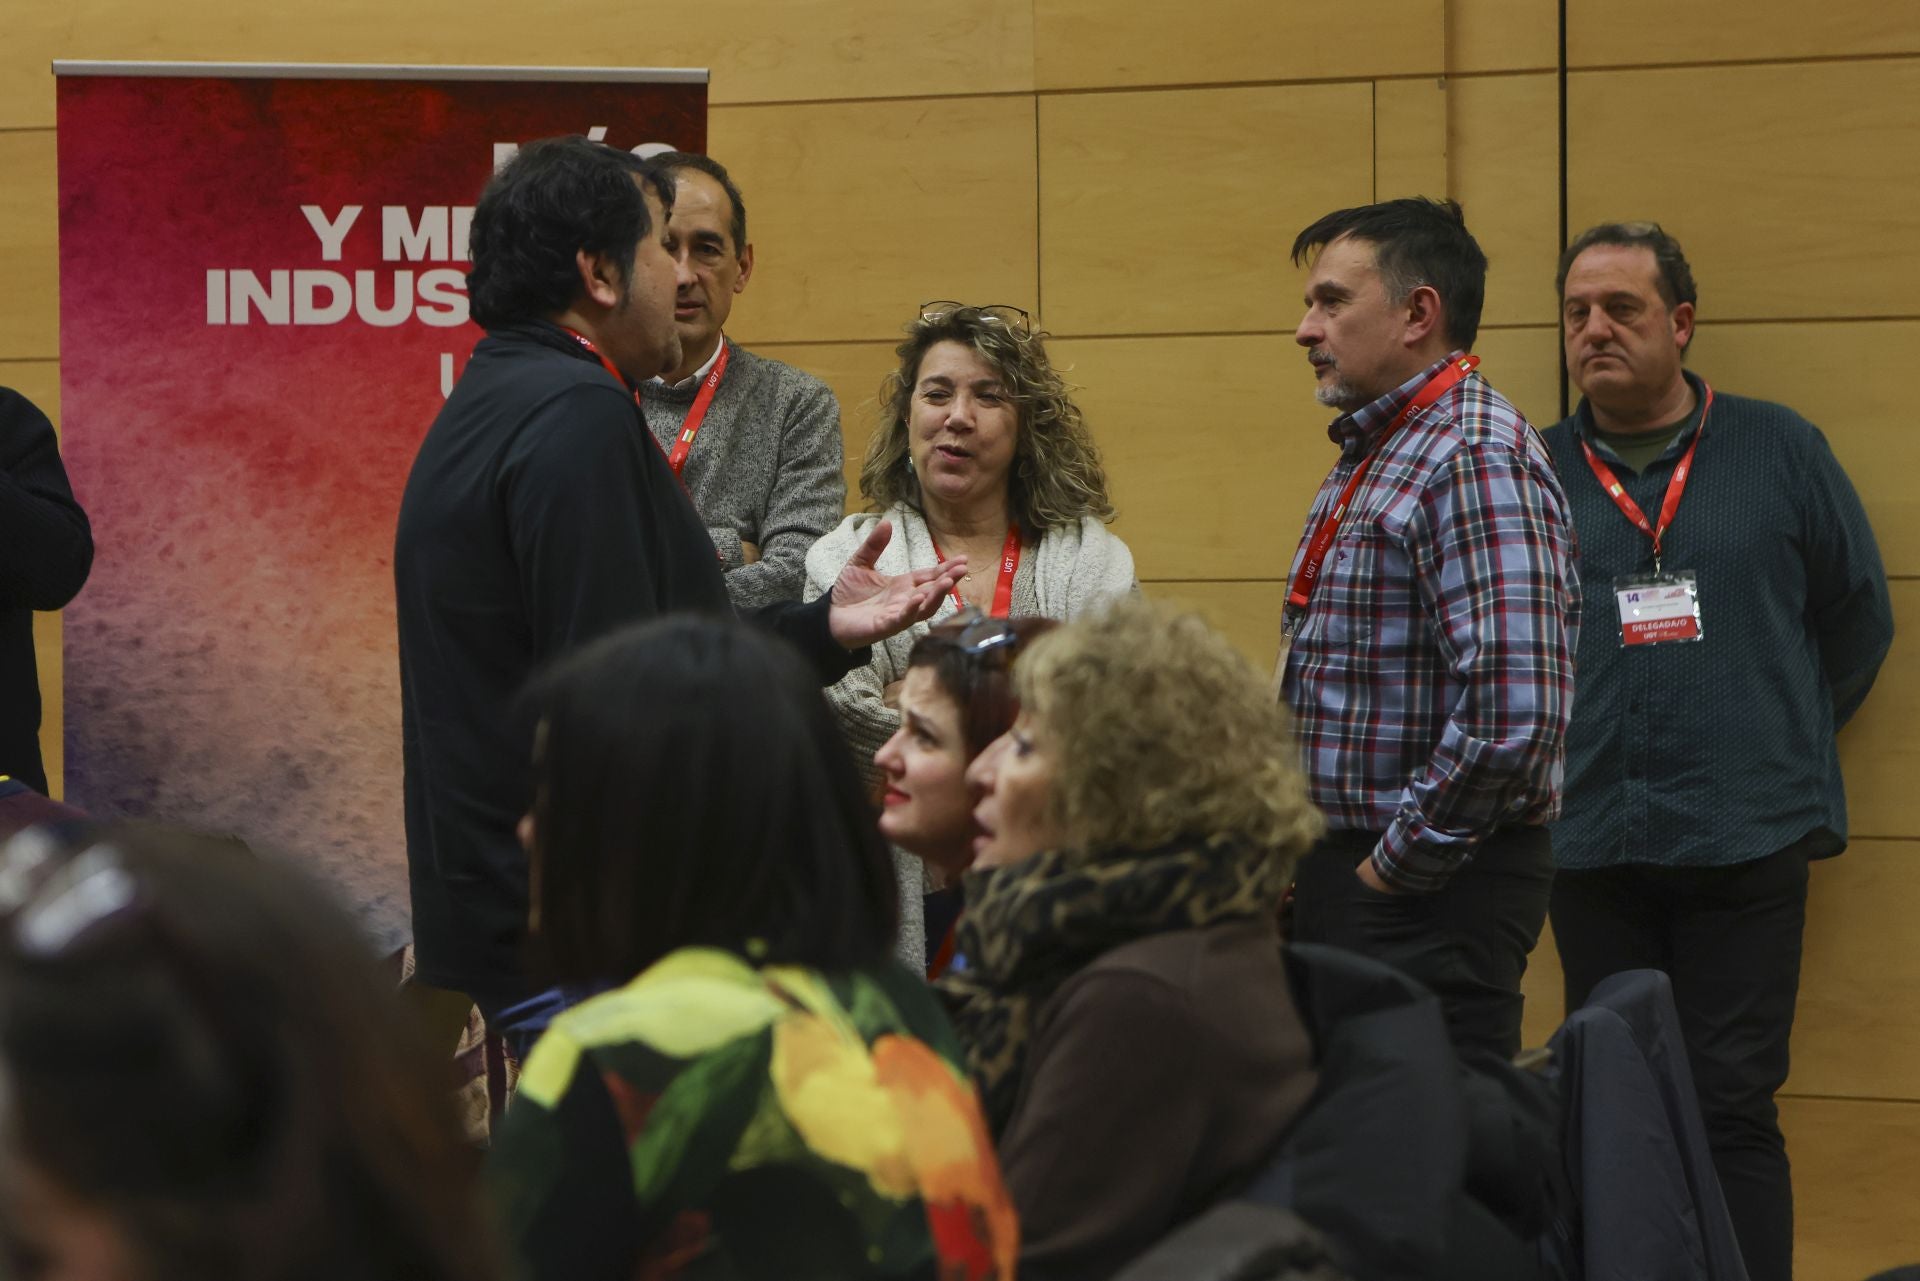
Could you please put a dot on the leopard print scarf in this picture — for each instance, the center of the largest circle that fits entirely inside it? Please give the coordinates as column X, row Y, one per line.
column 1031, row 926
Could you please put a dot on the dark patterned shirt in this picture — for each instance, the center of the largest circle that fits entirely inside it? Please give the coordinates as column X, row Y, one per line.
column 1721, row 751
column 1433, row 673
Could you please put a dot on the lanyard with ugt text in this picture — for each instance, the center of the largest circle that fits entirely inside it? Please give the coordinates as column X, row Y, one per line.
column 1308, row 576
column 621, row 378
column 1675, row 487
column 698, row 413
column 1009, row 566
column 605, row 364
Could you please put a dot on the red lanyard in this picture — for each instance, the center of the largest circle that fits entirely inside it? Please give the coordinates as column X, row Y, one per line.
column 1437, row 386
column 1675, row 487
column 605, row 364
column 1009, row 566
column 698, row 413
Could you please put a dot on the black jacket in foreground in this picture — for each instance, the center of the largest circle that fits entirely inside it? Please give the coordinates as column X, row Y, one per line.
column 539, row 515
column 46, row 549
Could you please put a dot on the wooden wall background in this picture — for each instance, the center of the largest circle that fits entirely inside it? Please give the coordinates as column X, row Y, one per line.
column 1132, row 173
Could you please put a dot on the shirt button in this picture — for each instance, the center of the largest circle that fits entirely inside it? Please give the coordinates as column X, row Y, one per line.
column 1633, row 709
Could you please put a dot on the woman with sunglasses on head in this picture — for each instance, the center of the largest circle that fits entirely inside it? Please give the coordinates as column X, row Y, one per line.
column 1118, row 978
column 758, row 1092
column 956, row 697
column 981, row 450
column 205, row 1074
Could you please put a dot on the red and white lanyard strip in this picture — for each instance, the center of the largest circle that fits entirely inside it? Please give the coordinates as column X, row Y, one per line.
column 1675, row 487
column 698, row 413
column 1009, row 566
column 605, row 364
column 1437, row 386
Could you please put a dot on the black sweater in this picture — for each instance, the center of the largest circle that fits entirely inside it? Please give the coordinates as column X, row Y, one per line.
column 538, row 516
column 46, row 549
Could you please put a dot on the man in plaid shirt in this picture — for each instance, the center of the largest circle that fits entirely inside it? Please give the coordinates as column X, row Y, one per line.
column 1432, row 612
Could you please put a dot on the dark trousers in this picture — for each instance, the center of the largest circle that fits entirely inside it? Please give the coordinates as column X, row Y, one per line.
column 1729, row 938
column 1467, row 942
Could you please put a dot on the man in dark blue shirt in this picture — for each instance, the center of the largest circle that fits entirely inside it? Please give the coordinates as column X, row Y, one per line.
column 1737, row 615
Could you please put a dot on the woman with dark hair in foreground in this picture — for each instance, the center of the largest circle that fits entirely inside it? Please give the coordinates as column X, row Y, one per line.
column 763, row 1093
column 956, row 698
column 204, row 1075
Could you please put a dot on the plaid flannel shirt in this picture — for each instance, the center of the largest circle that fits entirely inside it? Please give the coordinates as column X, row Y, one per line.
column 1432, row 674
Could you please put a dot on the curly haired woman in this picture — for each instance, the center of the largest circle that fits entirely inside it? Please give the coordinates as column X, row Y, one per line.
column 1118, row 978
column 981, row 452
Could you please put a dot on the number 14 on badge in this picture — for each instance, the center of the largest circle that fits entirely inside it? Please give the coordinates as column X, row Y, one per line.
column 1657, row 609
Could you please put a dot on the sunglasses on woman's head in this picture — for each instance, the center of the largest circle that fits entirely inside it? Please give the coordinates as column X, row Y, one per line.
column 974, row 632
column 1012, row 317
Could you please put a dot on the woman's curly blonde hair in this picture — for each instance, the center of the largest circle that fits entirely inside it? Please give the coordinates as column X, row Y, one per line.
column 1160, row 731
column 1056, row 477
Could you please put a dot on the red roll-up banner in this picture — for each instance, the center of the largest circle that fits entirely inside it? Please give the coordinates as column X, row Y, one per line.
column 262, row 306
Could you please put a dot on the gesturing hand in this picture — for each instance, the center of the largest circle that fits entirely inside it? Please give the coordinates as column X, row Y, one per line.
column 870, row 606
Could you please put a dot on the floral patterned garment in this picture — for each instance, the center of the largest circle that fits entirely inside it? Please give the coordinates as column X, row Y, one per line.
column 716, row 1121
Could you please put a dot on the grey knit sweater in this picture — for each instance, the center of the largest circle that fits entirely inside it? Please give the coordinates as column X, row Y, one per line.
column 765, row 469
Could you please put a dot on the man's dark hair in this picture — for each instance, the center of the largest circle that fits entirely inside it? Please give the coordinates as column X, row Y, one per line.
column 691, row 788
column 669, row 161
column 1416, row 241
column 556, row 197
column 1672, row 276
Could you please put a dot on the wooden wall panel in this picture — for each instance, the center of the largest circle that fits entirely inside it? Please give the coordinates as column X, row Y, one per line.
column 1545, row 1008
column 1879, row 755
column 1501, row 35
column 853, row 371
column 1854, row 1185
column 1206, row 489
column 1867, row 420
column 1613, row 33
column 1524, row 366
column 1855, row 990
column 1409, row 138
column 1081, row 44
column 1793, row 195
column 29, row 252
column 1249, row 613
column 758, row 50
column 1503, row 165
column 1855, row 1034
column 1171, row 212
column 862, row 211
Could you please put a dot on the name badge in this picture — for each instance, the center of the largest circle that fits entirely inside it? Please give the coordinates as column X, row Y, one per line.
column 1290, row 620
column 1658, row 609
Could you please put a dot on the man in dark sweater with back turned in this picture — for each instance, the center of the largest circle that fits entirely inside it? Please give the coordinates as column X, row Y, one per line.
column 46, row 549
column 539, row 515
column 1737, row 615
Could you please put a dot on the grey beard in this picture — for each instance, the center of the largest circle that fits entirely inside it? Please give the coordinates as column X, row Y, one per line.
column 1337, row 395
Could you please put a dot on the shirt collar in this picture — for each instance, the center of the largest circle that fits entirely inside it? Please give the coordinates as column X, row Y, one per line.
column 1357, row 432
column 1583, row 416
column 693, row 379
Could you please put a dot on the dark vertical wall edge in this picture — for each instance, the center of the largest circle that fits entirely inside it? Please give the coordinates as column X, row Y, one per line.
column 1566, row 404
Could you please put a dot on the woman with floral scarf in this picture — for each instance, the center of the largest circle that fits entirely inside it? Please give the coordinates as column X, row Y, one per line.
column 757, row 1092
column 1117, row 980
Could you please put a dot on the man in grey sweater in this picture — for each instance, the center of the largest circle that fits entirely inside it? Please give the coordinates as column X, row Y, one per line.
column 755, row 442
